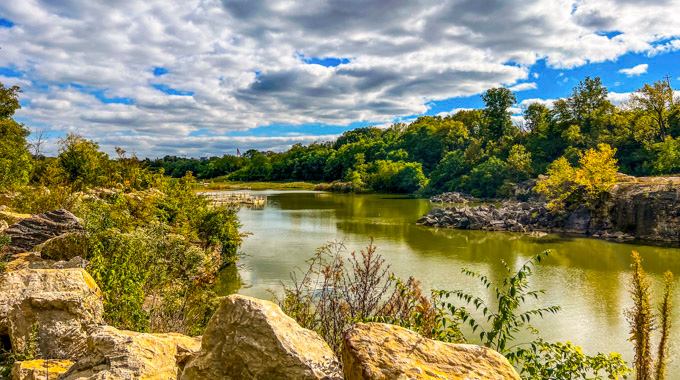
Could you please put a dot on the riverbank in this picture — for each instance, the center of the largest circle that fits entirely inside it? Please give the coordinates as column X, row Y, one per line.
column 218, row 184
column 645, row 208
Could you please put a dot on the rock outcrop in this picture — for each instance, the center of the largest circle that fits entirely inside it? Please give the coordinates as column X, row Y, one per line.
column 249, row 338
column 376, row 351
column 39, row 369
column 30, row 232
column 453, row 197
column 63, row 247
column 63, row 302
column 120, row 354
column 646, row 209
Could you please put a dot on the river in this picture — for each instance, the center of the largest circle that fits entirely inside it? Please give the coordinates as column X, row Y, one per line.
column 588, row 278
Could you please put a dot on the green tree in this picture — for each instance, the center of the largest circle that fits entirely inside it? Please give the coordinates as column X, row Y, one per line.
column 657, row 100
column 486, row 179
column 498, row 121
column 82, row 163
column 15, row 159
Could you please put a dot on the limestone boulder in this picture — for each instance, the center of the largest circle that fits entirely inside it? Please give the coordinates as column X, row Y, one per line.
column 59, row 323
column 32, row 260
column 39, row 369
column 248, row 338
column 30, row 232
column 114, row 354
column 58, row 295
column 3, row 225
column 10, row 217
column 63, row 247
column 375, row 351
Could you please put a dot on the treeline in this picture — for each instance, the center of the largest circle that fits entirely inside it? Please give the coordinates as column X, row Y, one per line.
column 479, row 151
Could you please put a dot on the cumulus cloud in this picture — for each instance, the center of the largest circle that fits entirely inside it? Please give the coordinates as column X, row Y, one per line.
column 635, row 70
column 618, row 97
column 90, row 66
column 524, row 87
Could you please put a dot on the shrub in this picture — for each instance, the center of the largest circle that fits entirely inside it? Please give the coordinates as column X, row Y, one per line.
column 566, row 185
column 397, row 177
column 486, row 178
column 337, row 290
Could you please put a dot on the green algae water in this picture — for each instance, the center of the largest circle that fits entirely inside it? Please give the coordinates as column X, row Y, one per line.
column 587, row 277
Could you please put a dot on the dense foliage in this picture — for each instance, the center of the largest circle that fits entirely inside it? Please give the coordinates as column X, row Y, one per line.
column 481, row 152
column 155, row 247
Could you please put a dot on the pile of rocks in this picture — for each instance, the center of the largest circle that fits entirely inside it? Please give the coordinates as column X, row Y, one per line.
column 54, row 305
column 453, row 197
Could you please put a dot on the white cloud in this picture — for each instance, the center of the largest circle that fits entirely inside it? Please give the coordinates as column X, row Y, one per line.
column 524, row 87
column 618, row 97
column 635, row 70
column 527, row 102
column 242, row 59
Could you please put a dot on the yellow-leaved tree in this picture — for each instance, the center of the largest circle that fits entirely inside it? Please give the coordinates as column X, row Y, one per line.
column 584, row 184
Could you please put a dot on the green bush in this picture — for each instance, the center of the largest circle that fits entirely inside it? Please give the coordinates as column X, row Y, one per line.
column 486, row 179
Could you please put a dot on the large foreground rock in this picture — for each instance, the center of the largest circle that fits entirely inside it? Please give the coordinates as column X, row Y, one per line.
column 114, row 354
column 249, row 338
column 29, row 232
column 375, row 351
column 63, row 303
column 39, row 369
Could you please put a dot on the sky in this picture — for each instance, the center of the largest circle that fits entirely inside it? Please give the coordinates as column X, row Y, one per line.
column 205, row 77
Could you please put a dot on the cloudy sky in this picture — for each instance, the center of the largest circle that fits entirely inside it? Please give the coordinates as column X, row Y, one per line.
column 204, row 77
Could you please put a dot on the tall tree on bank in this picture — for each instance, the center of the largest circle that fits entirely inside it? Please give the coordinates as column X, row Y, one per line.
column 15, row 159
column 498, row 121
column 657, row 100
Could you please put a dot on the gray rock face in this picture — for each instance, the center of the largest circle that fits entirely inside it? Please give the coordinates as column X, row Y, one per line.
column 35, row 230
column 647, row 209
column 249, row 338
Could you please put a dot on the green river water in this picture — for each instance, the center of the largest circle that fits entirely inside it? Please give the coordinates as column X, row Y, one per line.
column 587, row 277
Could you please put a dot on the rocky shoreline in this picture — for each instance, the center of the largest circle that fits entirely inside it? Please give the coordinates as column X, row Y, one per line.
column 639, row 208
column 50, row 304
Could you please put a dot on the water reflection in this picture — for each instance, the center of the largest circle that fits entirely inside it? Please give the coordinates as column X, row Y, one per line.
column 587, row 277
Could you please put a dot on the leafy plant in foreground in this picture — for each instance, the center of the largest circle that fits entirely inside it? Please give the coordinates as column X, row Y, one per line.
column 642, row 322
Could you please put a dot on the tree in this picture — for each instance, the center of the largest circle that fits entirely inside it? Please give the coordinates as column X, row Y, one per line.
column 667, row 156
column 498, row 121
column 15, row 160
column 519, row 163
column 588, row 96
column 657, row 100
column 582, row 185
column 81, row 162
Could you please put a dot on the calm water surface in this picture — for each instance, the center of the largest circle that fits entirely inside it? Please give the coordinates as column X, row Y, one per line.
column 588, row 278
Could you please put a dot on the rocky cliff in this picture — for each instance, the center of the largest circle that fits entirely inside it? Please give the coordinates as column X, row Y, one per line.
column 635, row 208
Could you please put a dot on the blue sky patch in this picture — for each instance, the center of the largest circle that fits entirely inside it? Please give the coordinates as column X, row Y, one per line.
column 158, row 71
column 10, row 72
column 5, row 23
column 326, row 61
column 171, row 91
